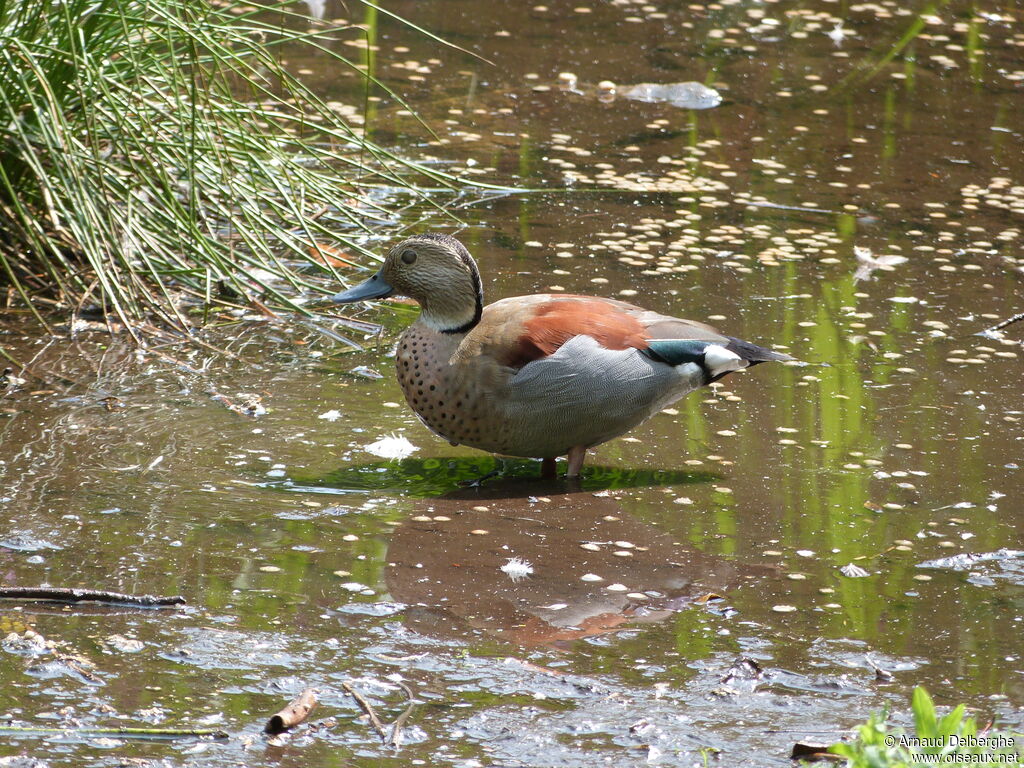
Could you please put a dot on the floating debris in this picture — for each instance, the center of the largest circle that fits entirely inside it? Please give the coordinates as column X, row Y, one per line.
column 248, row 405
column 8, row 379
column 354, row 586
column 853, row 571
column 881, row 675
column 567, row 81
column 125, row 644
column 517, row 569
column 606, row 90
column 968, row 560
column 366, row 372
column 689, row 95
column 867, row 263
column 745, row 669
column 22, row 542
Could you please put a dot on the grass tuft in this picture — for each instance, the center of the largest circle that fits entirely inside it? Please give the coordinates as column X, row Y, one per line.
column 157, row 153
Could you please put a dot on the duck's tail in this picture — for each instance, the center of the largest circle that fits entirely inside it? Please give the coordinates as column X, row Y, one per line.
column 716, row 359
column 754, row 354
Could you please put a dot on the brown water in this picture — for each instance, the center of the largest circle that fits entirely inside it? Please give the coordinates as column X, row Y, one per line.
column 309, row 561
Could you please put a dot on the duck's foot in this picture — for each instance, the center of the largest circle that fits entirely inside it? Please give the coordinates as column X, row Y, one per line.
column 576, row 456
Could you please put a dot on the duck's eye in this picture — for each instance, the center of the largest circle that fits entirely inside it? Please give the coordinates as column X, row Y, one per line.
column 408, row 255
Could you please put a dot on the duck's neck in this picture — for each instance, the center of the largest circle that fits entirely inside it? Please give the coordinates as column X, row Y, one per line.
column 454, row 308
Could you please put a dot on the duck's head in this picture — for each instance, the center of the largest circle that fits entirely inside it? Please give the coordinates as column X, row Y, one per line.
column 437, row 272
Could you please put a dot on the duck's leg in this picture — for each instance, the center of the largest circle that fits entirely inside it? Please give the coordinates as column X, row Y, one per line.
column 548, row 469
column 576, row 455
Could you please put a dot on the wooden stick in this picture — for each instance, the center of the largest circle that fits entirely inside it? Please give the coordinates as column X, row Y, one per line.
column 395, row 739
column 297, row 711
column 999, row 326
column 75, row 595
column 364, row 705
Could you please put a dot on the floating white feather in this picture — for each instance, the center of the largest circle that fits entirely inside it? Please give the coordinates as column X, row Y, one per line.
column 516, row 568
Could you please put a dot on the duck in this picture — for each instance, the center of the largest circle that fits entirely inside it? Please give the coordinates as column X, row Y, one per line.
column 539, row 376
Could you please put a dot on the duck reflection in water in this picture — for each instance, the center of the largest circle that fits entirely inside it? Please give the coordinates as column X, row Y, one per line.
column 544, row 570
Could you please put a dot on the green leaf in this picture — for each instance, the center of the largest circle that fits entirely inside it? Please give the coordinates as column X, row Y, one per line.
column 924, row 713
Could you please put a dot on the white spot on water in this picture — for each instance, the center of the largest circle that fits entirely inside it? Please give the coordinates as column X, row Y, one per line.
column 391, row 447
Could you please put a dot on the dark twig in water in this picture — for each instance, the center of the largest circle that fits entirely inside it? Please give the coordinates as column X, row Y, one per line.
column 804, row 750
column 364, row 705
column 296, row 712
column 999, row 326
column 124, row 733
column 395, row 739
column 74, row 595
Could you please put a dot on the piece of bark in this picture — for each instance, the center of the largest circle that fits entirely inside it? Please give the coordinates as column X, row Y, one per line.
column 297, row 711
column 813, row 753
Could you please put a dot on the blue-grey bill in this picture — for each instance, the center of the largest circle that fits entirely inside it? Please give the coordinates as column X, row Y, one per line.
column 374, row 288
